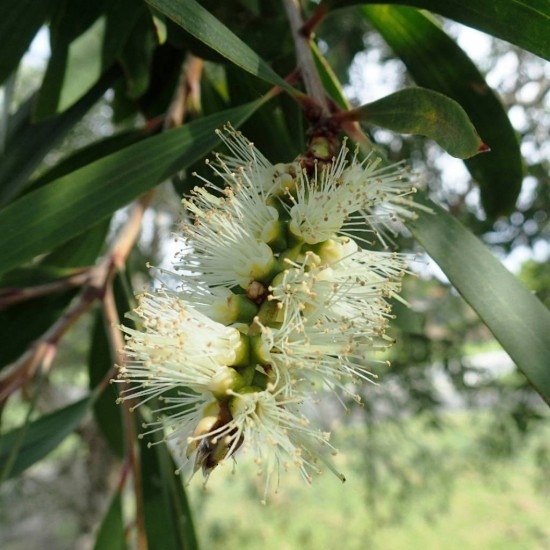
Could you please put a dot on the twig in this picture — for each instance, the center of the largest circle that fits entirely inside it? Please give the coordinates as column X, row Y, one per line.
column 99, row 279
column 304, row 58
column 11, row 296
column 117, row 345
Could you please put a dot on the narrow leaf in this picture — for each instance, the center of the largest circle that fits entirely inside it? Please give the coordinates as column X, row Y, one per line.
column 435, row 61
column 19, row 23
column 71, row 204
column 168, row 521
column 519, row 321
column 426, row 113
column 111, row 535
column 107, row 413
column 521, row 22
column 86, row 39
column 41, row 436
column 198, row 22
column 28, row 142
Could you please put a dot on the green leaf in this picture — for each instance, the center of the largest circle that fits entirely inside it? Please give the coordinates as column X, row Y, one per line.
column 198, row 22
column 519, row 321
column 107, row 413
column 26, row 321
column 521, row 22
column 88, row 154
column 85, row 43
column 28, row 143
column 35, row 440
column 71, row 204
column 20, row 21
column 435, row 61
column 111, row 534
column 426, row 113
column 168, row 521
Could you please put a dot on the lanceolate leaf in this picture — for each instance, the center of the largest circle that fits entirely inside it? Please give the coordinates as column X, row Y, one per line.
column 69, row 205
column 111, row 534
column 426, row 113
column 521, row 22
column 29, row 142
column 86, row 38
column 19, row 22
column 34, row 441
column 168, row 521
column 519, row 321
column 197, row 21
column 435, row 61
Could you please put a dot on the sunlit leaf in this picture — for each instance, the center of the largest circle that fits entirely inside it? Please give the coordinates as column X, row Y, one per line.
column 435, row 61
column 426, row 113
column 519, row 321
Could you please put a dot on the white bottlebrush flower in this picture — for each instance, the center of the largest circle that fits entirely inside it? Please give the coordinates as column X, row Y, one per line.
column 177, row 347
column 270, row 427
column 350, row 199
column 279, row 297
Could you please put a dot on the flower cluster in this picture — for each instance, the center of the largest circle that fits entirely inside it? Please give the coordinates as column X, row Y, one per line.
column 280, row 296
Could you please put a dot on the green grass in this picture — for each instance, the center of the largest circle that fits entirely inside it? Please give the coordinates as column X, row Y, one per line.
column 435, row 489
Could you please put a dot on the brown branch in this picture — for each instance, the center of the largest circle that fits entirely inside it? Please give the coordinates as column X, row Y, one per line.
column 40, row 354
column 11, row 296
column 304, row 58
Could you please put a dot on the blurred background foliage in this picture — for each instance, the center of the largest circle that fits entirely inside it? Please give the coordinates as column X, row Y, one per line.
column 452, row 437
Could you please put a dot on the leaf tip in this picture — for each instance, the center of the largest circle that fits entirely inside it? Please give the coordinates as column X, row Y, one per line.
column 483, row 148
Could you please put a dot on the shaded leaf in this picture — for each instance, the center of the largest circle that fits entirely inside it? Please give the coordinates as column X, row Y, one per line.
column 435, row 61
column 24, row 322
column 111, row 534
column 28, row 143
column 41, row 436
column 519, row 321
column 198, row 22
column 86, row 39
column 168, row 521
column 71, row 204
column 107, row 413
column 20, row 21
column 521, row 22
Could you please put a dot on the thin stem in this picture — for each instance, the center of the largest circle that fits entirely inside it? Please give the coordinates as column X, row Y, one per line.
column 117, row 345
column 99, row 279
column 304, row 58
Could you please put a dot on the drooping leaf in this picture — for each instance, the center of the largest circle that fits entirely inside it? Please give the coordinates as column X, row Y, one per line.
column 435, row 61
column 426, row 113
column 19, row 23
column 28, row 142
column 168, row 520
column 37, row 439
column 521, row 22
column 198, row 22
column 107, row 412
column 111, row 534
column 71, row 204
column 86, row 39
column 519, row 321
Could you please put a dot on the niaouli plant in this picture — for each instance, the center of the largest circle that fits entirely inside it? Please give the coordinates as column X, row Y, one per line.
column 281, row 295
